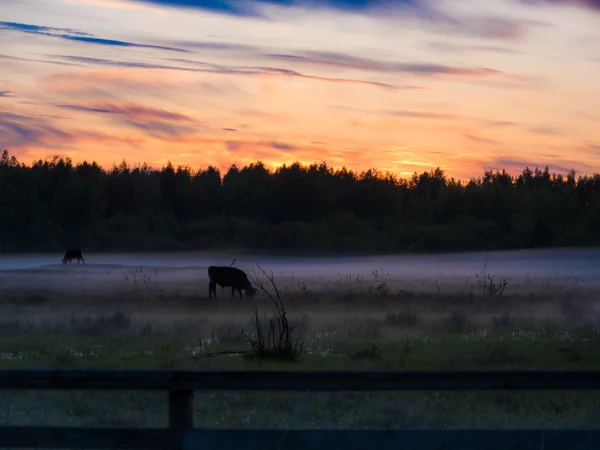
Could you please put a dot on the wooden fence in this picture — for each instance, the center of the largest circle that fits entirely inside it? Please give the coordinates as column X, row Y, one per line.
column 181, row 433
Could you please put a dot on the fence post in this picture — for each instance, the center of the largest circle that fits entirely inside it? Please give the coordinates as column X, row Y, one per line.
column 181, row 412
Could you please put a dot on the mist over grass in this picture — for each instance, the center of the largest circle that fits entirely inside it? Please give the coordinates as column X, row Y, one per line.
column 368, row 321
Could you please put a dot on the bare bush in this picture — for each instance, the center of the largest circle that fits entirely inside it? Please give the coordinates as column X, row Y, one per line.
column 274, row 338
column 489, row 284
column 380, row 286
column 144, row 285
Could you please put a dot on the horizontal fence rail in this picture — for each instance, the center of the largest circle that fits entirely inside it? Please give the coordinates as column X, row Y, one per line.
column 181, row 433
column 451, row 380
column 257, row 439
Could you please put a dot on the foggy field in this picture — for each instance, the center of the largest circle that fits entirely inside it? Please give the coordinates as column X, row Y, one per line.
column 520, row 289
column 185, row 273
column 527, row 309
column 172, row 284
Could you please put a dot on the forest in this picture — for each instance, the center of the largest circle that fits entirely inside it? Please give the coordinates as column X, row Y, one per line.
column 54, row 204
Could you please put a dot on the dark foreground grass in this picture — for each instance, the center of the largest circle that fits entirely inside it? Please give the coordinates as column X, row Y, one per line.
column 431, row 350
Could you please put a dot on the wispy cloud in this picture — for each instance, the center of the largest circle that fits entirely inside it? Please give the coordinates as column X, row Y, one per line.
column 23, row 133
column 255, row 8
column 92, row 87
column 278, row 72
column 79, row 36
column 593, row 146
column 6, row 94
column 212, row 46
column 247, row 8
column 132, row 111
column 156, row 122
column 38, row 29
column 427, row 11
column 353, row 62
column 162, row 130
column 328, row 59
column 115, row 63
column 231, row 70
column 59, row 63
column 426, row 115
column 448, row 47
column 17, row 130
column 558, row 165
column 347, row 61
column 282, row 146
column 479, row 122
column 479, row 139
column 546, row 130
column 500, row 123
column 590, row 4
column 233, row 146
column 99, row 41
column 489, row 27
column 85, row 109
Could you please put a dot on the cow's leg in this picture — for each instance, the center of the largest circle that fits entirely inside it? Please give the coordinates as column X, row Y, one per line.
column 232, row 291
column 212, row 288
column 241, row 294
column 82, row 260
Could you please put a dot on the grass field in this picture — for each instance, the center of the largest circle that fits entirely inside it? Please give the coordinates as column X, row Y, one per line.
column 347, row 323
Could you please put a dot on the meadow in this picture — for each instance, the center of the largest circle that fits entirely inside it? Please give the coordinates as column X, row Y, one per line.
column 140, row 320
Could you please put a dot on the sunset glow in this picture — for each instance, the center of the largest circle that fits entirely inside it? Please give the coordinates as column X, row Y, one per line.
column 399, row 85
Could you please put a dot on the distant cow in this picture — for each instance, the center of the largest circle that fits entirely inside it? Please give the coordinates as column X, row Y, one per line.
column 229, row 277
column 73, row 253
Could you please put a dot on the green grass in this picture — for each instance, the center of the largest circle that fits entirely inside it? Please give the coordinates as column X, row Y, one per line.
column 349, row 323
column 434, row 350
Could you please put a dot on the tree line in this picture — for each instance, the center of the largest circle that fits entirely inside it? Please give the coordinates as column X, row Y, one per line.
column 52, row 204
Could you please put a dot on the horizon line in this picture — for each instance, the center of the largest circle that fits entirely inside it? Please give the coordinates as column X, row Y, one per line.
column 273, row 168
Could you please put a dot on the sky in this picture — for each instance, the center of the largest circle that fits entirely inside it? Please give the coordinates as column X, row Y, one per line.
column 397, row 85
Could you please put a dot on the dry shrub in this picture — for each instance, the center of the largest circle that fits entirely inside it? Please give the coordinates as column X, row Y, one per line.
column 274, row 338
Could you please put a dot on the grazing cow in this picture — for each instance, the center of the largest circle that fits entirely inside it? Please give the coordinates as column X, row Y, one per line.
column 71, row 254
column 226, row 276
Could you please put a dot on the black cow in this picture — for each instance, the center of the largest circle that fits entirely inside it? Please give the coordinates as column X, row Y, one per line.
column 73, row 253
column 226, row 276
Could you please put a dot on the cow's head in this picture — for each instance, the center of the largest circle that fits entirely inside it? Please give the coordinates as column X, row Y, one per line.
column 64, row 260
column 250, row 291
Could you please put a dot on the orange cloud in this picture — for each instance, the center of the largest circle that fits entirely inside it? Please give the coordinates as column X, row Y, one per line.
column 266, row 92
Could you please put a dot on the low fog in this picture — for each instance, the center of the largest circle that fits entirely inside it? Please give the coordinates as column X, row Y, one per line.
column 186, row 272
